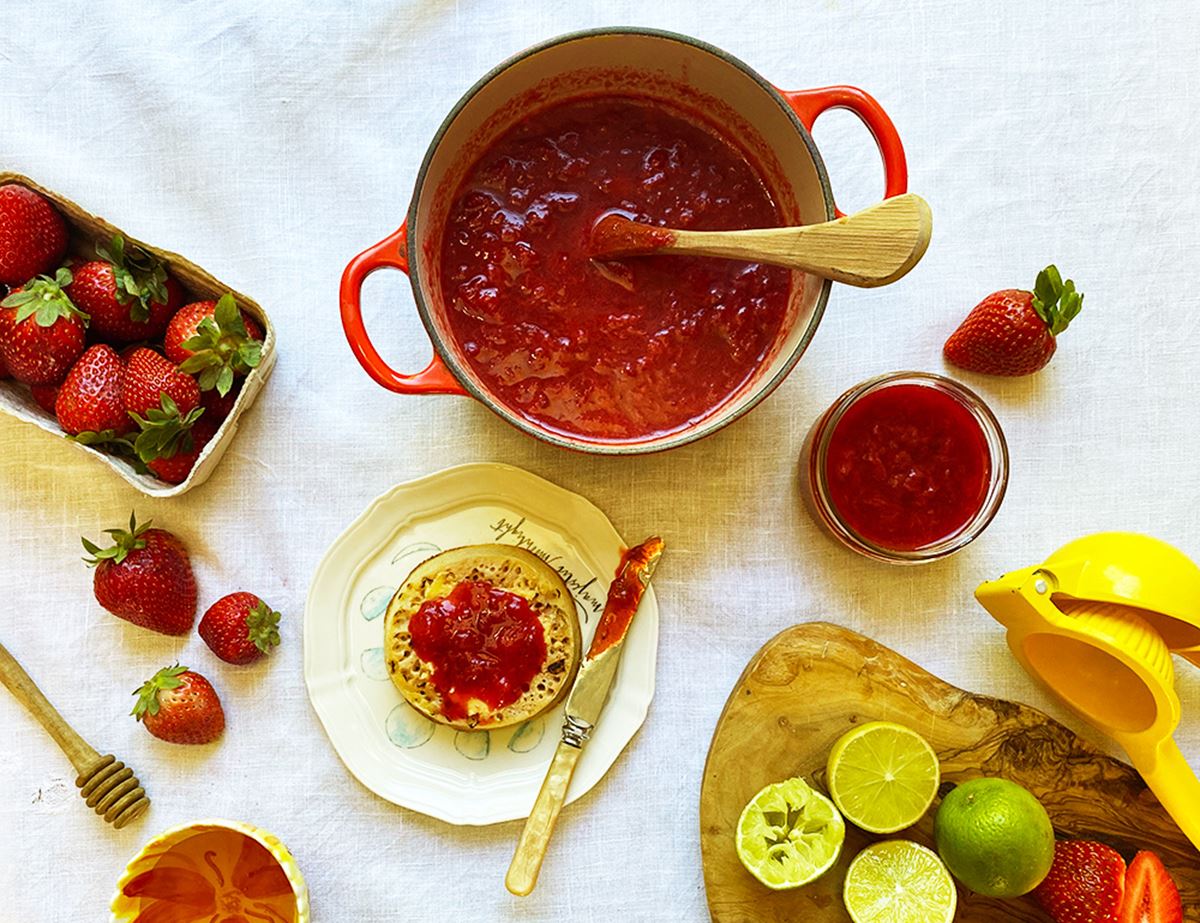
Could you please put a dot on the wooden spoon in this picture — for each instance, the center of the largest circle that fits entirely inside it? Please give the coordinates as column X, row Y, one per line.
column 105, row 783
column 872, row 247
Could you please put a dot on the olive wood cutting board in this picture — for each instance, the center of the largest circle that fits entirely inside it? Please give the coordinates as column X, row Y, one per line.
column 813, row 682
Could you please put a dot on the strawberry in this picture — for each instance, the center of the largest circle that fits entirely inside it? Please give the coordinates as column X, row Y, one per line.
column 217, row 407
column 46, row 396
column 216, row 340
column 240, row 628
column 3, row 369
column 1012, row 332
column 127, row 292
column 41, row 331
column 89, row 400
column 179, row 706
column 1086, row 883
column 1150, row 894
column 33, row 235
column 175, row 462
column 148, row 376
column 145, row 578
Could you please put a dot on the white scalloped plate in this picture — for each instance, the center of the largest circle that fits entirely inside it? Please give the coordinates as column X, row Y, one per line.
column 481, row 777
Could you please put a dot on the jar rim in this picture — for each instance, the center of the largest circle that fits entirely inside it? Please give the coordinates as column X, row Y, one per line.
column 997, row 448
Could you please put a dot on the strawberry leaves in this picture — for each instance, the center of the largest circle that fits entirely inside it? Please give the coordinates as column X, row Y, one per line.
column 125, row 542
column 44, row 300
column 147, row 693
column 1056, row 302
column 262, row 625
column 140, row 278
column 221, row 348
column 164, row 431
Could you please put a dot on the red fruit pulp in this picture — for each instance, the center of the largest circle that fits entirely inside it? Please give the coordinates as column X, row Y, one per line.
column 1150, row 894
column 483, row 643
column 609, row 351
column 907, row 466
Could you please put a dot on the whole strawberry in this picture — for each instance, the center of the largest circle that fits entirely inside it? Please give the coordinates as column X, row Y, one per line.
column 214, row 340
column 174, row 461
column 1150, row 894
column 3, row 369
column 42, row 333
column 1086, row 883
column 1012, row 332
column 240, row 628
column 127, row 292
column 46, row 396
column 145, row 578
column 33, row 235
column 89, row 400
column 163, row 401
column 179, row 706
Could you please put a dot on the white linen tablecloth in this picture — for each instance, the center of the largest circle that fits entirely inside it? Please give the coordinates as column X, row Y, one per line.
column 270, row 143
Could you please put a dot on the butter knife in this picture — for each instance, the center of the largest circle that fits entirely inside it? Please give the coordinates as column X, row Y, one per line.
column 584, row 705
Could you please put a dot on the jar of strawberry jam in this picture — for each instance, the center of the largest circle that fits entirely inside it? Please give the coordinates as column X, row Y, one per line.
column 905, row 468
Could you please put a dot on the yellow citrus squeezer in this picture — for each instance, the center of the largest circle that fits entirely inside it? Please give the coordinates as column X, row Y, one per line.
column 1096, row 624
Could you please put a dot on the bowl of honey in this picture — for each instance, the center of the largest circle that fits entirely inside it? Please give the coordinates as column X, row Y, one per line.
column 212, row 871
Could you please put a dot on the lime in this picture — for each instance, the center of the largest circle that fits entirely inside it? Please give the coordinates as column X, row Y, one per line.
column 898, row 881
column 789, row 834
column 995, row 837
column 882, row 776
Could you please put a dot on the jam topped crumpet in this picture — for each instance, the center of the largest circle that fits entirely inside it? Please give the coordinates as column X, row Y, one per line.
column 482, row 637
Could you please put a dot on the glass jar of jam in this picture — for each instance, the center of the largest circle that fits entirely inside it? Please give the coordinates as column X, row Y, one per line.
column 905, row 468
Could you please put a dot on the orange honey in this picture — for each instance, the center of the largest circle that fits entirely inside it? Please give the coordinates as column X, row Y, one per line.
column 217, row 875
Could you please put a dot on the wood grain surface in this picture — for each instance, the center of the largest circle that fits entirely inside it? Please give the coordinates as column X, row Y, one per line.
column 813, row 682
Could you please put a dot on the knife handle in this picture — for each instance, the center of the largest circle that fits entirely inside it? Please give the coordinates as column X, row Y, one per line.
column 531, row 850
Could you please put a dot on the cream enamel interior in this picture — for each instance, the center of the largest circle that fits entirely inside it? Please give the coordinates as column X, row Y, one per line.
column 647, row 64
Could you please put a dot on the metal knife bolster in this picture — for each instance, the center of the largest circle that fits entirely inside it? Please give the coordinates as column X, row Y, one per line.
column 589, row 694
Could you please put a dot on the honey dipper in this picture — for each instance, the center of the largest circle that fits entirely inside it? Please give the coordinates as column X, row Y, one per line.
column 105, row 783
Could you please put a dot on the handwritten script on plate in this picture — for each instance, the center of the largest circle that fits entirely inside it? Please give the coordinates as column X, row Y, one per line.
column 580, row 589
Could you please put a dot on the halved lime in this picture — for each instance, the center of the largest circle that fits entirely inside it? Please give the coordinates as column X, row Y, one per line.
column 789, row 835
column 882, row 776
column 898, row 881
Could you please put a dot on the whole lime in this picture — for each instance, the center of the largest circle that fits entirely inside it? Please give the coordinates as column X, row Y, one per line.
column 995, row 837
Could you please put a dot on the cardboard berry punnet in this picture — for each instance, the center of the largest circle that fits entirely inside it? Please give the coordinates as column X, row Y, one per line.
column 86, row 230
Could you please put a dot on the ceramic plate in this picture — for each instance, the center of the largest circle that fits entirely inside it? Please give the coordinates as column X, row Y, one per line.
column 463, row 777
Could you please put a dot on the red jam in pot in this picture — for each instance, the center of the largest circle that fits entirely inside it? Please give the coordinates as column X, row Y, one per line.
column 907, row 466
column 483, row 643
column 608, row 350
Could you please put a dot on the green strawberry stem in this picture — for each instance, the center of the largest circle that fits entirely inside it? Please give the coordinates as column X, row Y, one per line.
column 125, row 542
column 1056, row 302
column 164, row 431
column 263, row 626
column 45, row 300
column 140, row 278
column 147, row 693
column 221, row 348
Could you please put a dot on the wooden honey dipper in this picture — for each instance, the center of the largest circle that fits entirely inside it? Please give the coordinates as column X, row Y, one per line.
column 107, row 785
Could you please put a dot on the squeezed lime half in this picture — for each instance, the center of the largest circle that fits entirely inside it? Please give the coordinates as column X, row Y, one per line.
column 789, row 835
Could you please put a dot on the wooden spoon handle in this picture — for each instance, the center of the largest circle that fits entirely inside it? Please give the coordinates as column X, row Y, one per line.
column 81, row 754
column 872, row 247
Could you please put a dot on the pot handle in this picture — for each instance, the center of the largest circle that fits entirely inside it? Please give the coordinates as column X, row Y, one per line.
column 392, row 251
column 809, row 104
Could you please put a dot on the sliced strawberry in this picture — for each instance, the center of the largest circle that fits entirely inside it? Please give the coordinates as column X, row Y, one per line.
column 1150, row 894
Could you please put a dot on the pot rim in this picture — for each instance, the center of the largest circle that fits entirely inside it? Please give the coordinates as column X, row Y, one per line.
column 705, row 427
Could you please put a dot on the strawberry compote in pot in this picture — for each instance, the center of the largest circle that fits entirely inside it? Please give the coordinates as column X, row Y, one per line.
column 608, row 350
